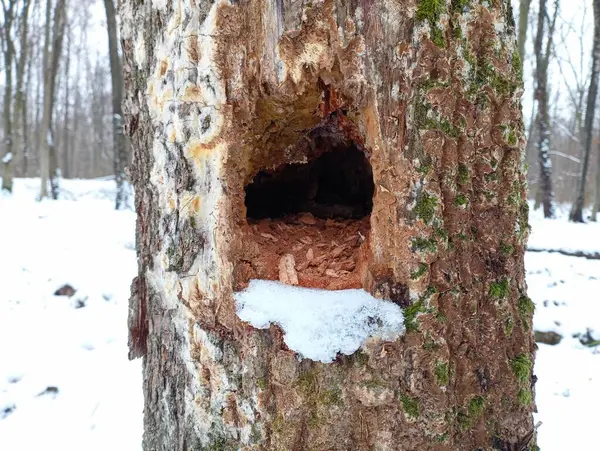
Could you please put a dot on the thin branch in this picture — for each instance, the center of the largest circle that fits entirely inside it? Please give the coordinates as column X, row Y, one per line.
column 564, row 155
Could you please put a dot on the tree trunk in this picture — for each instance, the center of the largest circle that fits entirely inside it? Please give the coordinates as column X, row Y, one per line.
column 45, row 122
column 412, row 122
column 596, row 207
column 9, row 50
column 66, row 124
column 543, row 144
column 576, row 214
column 20, row 96
column 39, row 112
column 58, row 31
column 120, row 156
column 25, row 119
column 53, row 46
column 523, row 24
column 75, row 166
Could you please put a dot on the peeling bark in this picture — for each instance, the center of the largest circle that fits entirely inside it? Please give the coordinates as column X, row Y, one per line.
column 430, row 93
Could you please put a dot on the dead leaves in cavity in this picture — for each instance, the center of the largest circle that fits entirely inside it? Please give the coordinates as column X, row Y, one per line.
column 329, row 263
column 307, row 219
column 310, row 255
column 269, row 236
column 287, row 270
column 338, row 251
column 331, row 273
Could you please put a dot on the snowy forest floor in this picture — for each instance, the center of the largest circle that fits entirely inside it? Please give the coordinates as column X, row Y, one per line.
column 66, row 383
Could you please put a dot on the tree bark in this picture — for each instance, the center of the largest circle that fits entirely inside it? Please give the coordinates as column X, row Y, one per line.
column 543, row 144
column 120, row 156
column 429, row 94
column 576, row 214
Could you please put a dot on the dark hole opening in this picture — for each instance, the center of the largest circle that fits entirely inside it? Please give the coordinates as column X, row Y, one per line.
column 337, row 184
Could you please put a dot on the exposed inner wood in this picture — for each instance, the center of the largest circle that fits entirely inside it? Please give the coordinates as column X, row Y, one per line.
column 307, row 222
column 327, row 253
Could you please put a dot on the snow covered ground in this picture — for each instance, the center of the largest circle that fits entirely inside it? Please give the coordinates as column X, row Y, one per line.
column 566, row 291
column 65, row 371
column 65, row 381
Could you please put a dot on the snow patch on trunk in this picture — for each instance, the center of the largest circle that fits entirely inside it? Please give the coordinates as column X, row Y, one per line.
column 319, row 323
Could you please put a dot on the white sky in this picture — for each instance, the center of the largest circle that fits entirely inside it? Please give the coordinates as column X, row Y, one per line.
column 574, row 22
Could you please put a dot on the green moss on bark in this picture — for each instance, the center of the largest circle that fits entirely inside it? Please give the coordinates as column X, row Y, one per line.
column 414, row 275
column 410, row 406
column 461, row 200
column 431, row 11
column 476, row 407
column 499, row 289
column 441, row 373
column 410, row 315
column 521, row 367
column 525, row 397
column 425, row 207
column 463, row 174
column 424, row 244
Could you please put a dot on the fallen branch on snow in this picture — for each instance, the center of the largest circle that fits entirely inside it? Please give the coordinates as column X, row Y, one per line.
column 588, row 255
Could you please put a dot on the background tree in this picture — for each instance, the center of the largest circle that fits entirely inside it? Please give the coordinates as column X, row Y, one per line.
column 542, row 55
column 217, row 93
column 576, row 214
column 48, row 145
column 8, row 51
column 20, row 110
column 120, row 154
column 596, row 207
column 524, row 6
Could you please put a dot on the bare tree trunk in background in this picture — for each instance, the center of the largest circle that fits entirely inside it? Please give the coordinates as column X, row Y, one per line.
column 523, row 24
column 576, row 214
column 8, row 50
column 25, row 114
column 543, row 143
column 96, row 119
column 45, row 121
column 76, row 118
column 60, row 18
column 20, row 110
column 39, row 107
column 49, row 166
column 66, row 124
column 596, row 206
column 217, row 92
column 120, row 154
